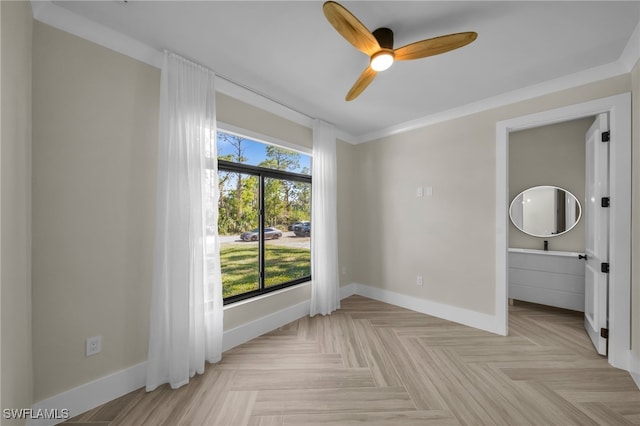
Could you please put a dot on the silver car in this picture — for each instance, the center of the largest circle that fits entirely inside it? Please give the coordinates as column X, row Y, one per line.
column 269, row 233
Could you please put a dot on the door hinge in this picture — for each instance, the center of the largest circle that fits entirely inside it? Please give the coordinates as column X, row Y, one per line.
column 604, row 333
column 605, row 202
column 606, row 136
column 604, row 267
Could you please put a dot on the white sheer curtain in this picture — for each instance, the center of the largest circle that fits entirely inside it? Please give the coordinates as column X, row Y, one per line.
column 186, row 305
column 325, row 286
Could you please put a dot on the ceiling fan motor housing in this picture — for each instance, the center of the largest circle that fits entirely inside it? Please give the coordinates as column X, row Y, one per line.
column 384, row 37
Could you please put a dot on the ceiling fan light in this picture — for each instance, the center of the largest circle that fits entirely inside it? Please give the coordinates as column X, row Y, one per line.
column 381, row 61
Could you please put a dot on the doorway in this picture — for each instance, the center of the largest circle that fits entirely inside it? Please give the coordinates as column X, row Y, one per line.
column 619, row 110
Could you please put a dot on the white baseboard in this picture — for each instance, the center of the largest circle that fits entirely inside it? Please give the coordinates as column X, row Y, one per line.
column 636, row 378
column 348, row 290
column 253, row 329
column 634, row 369
column 241, row 334
column 93, row 394
column 474, row 319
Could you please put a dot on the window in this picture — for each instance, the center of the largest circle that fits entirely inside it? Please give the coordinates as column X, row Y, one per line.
column 264, row 216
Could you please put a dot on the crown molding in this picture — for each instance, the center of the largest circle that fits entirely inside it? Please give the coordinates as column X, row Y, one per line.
column 631, row 53
column 578, row 79
column 48, row 13
column 56, row 16
column 625, row 64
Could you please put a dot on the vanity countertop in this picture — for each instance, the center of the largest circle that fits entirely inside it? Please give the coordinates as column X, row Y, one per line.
column 543, row 252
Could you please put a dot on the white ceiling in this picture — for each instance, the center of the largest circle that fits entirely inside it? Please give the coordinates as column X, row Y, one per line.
column 288, row 52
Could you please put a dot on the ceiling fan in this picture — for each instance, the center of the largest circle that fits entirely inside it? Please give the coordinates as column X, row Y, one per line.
column 379, row 44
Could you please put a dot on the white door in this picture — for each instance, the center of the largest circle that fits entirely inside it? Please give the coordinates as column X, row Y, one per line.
column 597, row 233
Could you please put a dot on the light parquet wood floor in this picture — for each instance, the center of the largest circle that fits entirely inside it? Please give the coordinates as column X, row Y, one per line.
column 377, row 364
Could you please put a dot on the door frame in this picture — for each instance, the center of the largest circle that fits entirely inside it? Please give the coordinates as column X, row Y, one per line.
column 619, row 109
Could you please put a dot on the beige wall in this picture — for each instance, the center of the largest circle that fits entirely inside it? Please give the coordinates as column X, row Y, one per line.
column 448, row 238
column 95, row 150
column 94, row 175
column 549, row 155
column 247, row 117
column 347, row 223
column 15, row 201
column 635, row 210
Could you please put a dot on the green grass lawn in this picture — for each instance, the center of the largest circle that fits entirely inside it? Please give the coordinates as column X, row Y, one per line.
column 239, row 264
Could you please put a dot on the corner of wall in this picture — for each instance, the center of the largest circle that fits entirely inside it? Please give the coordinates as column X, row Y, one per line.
column 16, row 351
column 635, row 225
column 486, row 322
column 1, row 405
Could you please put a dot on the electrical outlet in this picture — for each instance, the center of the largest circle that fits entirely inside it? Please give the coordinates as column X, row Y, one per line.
column 94, row 345
column 419, row 280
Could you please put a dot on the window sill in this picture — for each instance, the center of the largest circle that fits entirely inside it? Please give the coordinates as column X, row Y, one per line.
column 266, row 295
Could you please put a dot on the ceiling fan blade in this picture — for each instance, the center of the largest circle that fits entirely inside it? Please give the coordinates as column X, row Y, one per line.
column 365, row 78
column 350, row 28
column 433, row 46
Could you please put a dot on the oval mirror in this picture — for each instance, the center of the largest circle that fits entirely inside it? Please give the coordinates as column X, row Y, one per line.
column 545, row 211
